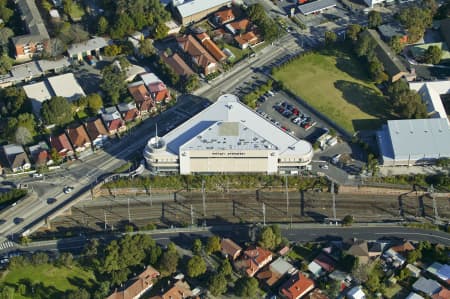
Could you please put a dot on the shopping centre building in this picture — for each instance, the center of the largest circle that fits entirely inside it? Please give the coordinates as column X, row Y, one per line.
column 227, row 137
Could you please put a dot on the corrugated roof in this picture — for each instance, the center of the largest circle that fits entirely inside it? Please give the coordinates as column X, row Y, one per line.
column 193, row 7
column 89, row 45
column 33, row 20
column 315, row 6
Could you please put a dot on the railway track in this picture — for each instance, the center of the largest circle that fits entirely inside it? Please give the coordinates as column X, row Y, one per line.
column 244, row 207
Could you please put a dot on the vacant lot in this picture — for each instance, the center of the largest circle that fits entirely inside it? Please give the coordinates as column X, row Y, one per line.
column 48, row 281
column 336, row 83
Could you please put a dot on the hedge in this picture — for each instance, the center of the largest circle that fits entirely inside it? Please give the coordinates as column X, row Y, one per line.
column 12, row 196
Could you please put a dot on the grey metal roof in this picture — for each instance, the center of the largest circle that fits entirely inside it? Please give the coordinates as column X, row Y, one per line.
column 32, row 18
column 388, row 31
column 427, row 286
column 280, row 266
column 193, row 7
column 415, row 139
column 228, row 109
column 315, row 6
column 89, row 45
column 228, row 135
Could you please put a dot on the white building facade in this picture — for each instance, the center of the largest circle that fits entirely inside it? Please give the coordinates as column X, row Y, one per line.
column 227, row 137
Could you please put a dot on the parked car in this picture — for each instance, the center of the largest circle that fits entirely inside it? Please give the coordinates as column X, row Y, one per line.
column 91, row 60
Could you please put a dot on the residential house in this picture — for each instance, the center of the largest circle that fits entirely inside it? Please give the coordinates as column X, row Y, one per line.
column 376, row 248
column 128, row 111
column 142, row 97
column 37, row 40
column 97, row 132
column 16, row 157
column 394, row 258
column 356, row 293
column 179, row 290
column 253, row 260
column 200, row 57
column 444, row 293
column 321, row 265
column 177, row 64
column 89, row 47
column 174, row 27
column 427, row 286
column 62, row 145
column 230, row 249
column 440, row 270
column 246, row 40
column 359, row 249
column 211, row 46
column 224, row 16
column 112, row 120
column 237, row 27
column 157, row 89
column 297, row 286
column 317, row 294
column 40, row 154
column 393, row 67
column 391, row 30
column 192, row 11
column 413, row 270
column 413, row 295
column 403, row 248
column 274, row 272
column 136, row 287
column 79, row 138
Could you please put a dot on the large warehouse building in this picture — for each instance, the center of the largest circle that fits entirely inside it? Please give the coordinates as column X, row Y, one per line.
column 227, row 137
column 410, row 142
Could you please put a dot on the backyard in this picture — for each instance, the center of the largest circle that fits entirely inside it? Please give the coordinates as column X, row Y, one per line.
column 335, row 82
column 47, row 280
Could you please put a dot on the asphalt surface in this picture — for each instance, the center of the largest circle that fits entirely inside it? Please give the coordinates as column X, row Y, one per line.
column 242, row 234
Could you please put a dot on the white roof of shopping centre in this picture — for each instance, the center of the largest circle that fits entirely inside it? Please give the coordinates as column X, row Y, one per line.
column 241, row 127
column 193, row 7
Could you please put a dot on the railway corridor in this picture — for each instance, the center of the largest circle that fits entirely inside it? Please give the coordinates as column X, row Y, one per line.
column 185, row 208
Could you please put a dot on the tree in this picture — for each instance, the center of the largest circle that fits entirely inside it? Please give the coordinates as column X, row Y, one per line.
column 443, row 162
column 6, row 63
column 225, row 268
column 409, row 105
column 376, row 70
column 191, row 84
column 396, row 44
column 375, row 19
column 197, row 246
column 77, row 294
column 94, row 102
column 161, row 31
column 213, row 244
column 113, row 50
column 5, row 34
column 56, row 111
column 5, row 12
column 196, row 266
column 360, row 273
column 23, row 136
column 347, row 220
column 365, row 46
column 413, row 256
column 39, row 258
column 353, row 30
column 332, row 288
column 123, row 26
column 330, row 37
column 217, row 284
column 267, row 239
column 247, row 287
column 65, row 259
column 113, row 83
column 102, row 25
column 68, row 7
column 416, row 19
column 169, row 262
column 146, row 48
column 433, row 55
column 56, row 158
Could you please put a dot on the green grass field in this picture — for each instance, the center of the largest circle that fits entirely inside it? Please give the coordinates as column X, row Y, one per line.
column 337, row 84
column 55, row 280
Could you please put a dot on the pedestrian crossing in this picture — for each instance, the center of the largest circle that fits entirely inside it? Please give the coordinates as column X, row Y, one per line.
column 6, row 245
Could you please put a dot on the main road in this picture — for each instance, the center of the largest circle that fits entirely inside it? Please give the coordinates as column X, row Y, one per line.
column 241, row 234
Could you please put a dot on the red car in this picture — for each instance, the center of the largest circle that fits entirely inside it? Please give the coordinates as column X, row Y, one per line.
column 284, row 128
column 295, row 111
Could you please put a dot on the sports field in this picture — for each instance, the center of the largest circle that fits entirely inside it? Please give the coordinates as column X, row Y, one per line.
column 47, row 281
column 337, row 84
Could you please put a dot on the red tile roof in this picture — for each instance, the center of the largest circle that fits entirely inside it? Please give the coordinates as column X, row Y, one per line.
column 61, row 143
column 213, row 48
column 78, row 136
column 138, row 285
column 316, row 294
column 407, row 246
column 229, row 248
column 240, row 25
column 131, row 114
column 115, row 124
column 42, row 157
column 444, row 293
column 255, row 259
column 96, row 128
column 180, row 290
column 225, row 16
column 246, row 38
column 297, row 286
column 200, row 56
column 177, row 64
column 139, row 93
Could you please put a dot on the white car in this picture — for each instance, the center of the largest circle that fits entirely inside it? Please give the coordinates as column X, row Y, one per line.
column 323, row 166
column 68, row 189
column 37, row 175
